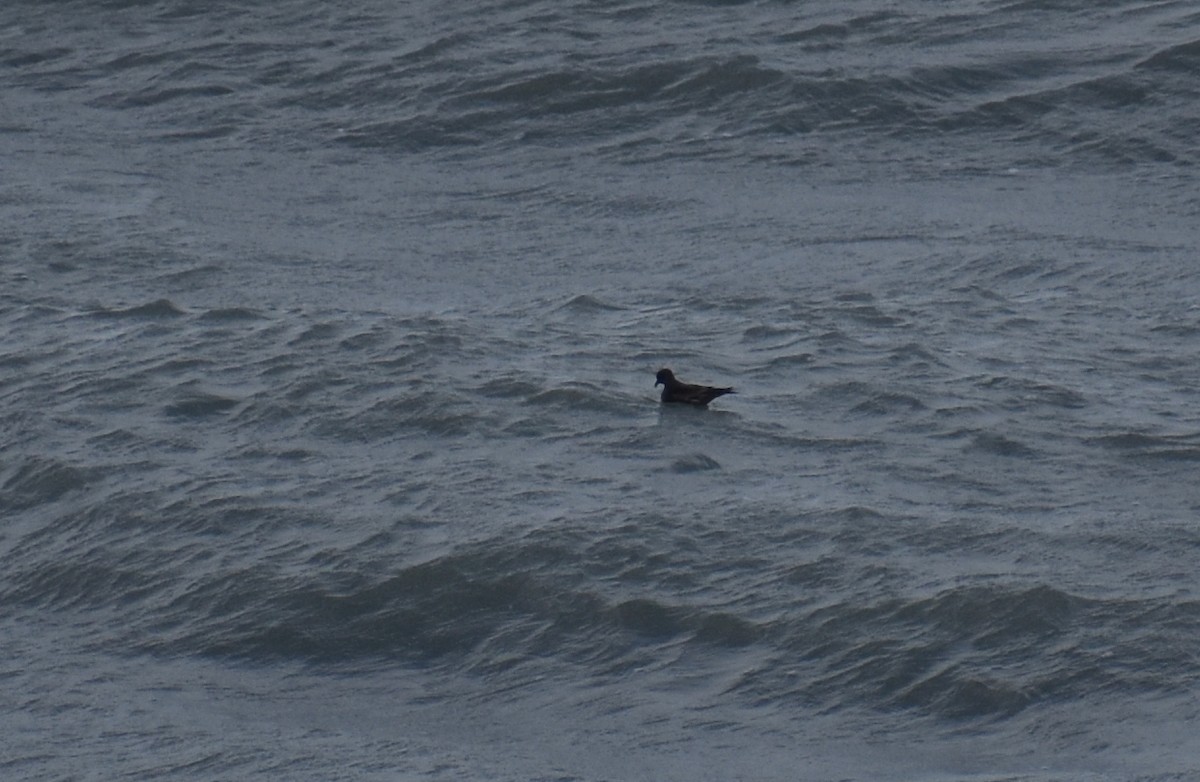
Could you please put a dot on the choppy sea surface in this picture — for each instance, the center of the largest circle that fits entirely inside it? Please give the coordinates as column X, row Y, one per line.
column 329, row 446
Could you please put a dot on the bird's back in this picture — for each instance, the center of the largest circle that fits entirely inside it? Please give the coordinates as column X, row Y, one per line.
column 690, row 394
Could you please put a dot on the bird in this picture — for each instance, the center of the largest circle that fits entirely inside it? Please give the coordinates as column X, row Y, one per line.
column 677, row 391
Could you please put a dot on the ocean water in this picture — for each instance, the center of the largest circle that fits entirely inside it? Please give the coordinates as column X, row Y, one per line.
column 329, row 446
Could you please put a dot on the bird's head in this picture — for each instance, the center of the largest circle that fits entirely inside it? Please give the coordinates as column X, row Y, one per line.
column 663, row 377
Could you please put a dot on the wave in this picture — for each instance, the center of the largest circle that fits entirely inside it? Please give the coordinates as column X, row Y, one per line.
column 632, row 109
column 1000, row 445
column 200, row 404
column 969, row 652
column 451, row 90
column 586, row 304
column 160, row 308
column 1022, row 393
column 36, row 480
column 815, row 609
column 232, row 314
column 1142, row 445
column 1182, row 58
column 697, row 462
column 889, row 404
column 468, row 609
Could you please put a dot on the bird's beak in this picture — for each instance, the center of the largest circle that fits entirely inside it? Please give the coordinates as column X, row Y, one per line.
column 657, row 383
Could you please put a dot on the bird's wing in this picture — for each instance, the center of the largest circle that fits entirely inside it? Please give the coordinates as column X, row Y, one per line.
column 701, row 395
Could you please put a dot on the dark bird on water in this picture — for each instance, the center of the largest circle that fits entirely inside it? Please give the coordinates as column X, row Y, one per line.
column 678, row 391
